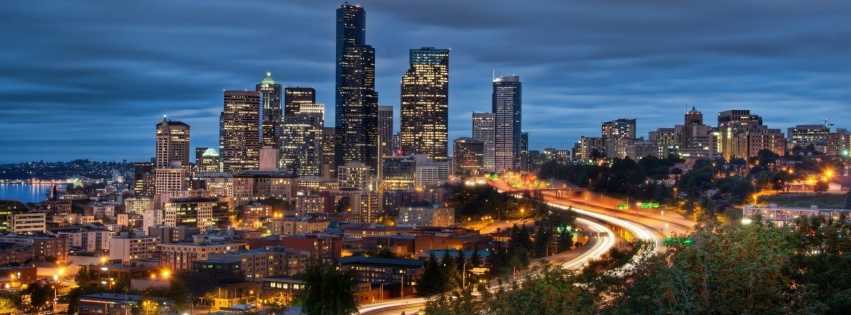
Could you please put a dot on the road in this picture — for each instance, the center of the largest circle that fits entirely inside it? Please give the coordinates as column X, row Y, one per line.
column 596, row 247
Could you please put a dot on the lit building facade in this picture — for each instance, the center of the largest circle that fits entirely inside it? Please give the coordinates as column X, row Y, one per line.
column 295, row 97
column 468, row 156
column 484, row 130
column 239, row 137
column 507, row 106
column 356, row 115
column 270, row 92
column 425, row 104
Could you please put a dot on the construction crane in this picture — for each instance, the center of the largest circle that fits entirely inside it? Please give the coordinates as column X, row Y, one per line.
column 825, row 123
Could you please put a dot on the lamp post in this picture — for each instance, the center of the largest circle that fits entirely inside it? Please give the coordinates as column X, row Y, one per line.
column 55, row 299
column 464, row 275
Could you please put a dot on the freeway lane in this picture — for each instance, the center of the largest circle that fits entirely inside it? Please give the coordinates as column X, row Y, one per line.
column 596, row 247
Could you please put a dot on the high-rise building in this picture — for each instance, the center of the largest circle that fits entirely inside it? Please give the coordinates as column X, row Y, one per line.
column 839, row 142
column 806, row 135
column 295, row 97
column 484, row 130
column 143, row 180
column 329, row 166
column 424, row 120
column 617, row 136
column 742, row 135
column 692, row 118
column 172, row 143
column 356, row 105
column 301, row 145
column 271, row 93
column 468, row 156
column 239, row 136
column 524, row 151
column 208, row 162
column 385, row 131
column 507, row 105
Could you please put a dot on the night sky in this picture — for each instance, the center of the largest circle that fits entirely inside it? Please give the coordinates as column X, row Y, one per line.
column 90, row 79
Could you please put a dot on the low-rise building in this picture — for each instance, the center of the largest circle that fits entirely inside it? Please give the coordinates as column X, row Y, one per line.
column 426, row 215
column 180, row 256
column 120, row 304
column 127, row 248
column 784, row 215
column 30, row 222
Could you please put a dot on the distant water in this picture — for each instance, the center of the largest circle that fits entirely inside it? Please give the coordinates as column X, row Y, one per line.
column 24, row 192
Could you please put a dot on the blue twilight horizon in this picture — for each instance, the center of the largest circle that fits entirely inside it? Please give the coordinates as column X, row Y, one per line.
column 90, row 79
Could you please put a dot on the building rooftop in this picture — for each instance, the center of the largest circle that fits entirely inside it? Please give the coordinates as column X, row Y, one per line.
column 376, row 261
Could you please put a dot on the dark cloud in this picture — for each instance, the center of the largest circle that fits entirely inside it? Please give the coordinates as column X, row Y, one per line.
column 89, row 79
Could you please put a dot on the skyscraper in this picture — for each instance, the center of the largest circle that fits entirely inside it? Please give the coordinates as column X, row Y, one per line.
column 172, row 143
column 507, row 107
column 467, row 156
column 329, row 166
column 617, row 136
column 301, row 141
column 294, row 97
column 271, row 92
column 425, row 104
column 239, row 135
column 356, row 115
column 484, row 125
column 385, row 131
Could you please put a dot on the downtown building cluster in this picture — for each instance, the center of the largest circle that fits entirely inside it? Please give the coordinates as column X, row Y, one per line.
column 244, row 218
column 737, row 134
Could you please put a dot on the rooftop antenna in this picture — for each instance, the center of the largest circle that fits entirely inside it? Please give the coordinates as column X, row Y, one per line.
column 493, row 77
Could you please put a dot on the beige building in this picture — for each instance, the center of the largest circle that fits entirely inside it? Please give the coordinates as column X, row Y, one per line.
column 25, row 223
column 426, row 216
column 127, row 248
column 180, row 256
column 269, row 262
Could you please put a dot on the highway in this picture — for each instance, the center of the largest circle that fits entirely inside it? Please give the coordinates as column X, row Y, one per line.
column 645, row 226
column 598, row 245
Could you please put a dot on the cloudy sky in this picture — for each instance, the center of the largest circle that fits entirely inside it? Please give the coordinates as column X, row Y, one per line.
column 90, row 79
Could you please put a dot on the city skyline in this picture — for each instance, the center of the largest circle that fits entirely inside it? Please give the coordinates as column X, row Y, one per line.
column 94, row 94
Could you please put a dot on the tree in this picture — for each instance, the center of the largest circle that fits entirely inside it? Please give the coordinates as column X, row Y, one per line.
column 431, row 281
column 344, row 204
column 35, row 298
column 476, row 259
column 820, row 187
column 328, row 290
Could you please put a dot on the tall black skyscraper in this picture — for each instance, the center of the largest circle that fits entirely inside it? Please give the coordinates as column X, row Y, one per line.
column 507, row 107
column 271, row 93
column 356, row 114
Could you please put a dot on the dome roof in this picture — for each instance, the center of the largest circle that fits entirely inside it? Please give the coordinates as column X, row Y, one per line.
column 268, row 79
column 210, row 153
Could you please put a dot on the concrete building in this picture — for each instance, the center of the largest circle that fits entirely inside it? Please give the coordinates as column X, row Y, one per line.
column 88, row 237
column 8, row 208
column 268, row 262
column 808, row 135
column 44, row 247
column 743, row 135
column 426, row 216
column 354, row 176
column 180, row 256
column 127, row 248
column 26, row 223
